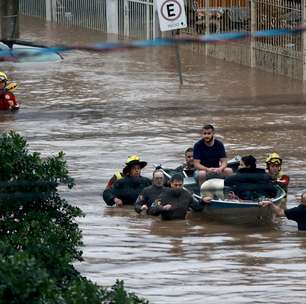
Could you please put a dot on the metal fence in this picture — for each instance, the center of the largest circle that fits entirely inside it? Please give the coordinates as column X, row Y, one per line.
column 215, row 16
column 136, row 19
column 35, row 8
column 84, row 13
column 279, row 14
column 283, row 54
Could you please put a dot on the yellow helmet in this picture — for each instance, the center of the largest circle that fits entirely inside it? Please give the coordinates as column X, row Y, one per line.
column 3, row 77
column 132, row 158
column 131, row 161
column 274, row 158
column 11, row 87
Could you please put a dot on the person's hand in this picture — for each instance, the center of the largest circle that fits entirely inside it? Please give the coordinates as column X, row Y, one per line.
column 167, row 207
column 210, row 170
column 118, row 202
column 144, row 207
column 265, row 203
column 206, row 199
column 219, row 170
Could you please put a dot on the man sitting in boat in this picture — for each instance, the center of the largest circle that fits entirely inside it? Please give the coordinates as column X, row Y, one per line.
column 250, row 183
column 174, row 202
column 7, row 98
column 274, row 169
column 126, row 190
column 209, row 156
column 188, row 166
column 151, row 193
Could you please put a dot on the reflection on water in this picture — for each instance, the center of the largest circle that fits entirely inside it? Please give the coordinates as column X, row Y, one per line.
column 100, row 108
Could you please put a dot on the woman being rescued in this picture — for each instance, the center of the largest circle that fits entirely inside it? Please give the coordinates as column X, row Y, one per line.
column 250, row 183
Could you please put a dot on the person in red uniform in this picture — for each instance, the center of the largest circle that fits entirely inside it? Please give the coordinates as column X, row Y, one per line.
column 7, row 98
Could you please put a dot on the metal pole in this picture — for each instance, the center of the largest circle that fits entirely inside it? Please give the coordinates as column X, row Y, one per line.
column 253, row 29
column 9, row 20
column 304, row 38
column 178, row 60
column 48, row 10
column 112, row 16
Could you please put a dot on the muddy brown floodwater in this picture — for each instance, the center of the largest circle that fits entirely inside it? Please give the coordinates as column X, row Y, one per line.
column 100, row 108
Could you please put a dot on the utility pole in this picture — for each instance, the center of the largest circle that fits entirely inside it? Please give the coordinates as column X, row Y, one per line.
column 9, row 21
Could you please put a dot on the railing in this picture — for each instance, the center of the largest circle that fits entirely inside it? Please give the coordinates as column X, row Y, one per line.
column 136, row 19
column 205, row 17
column 35, row 8
column 84, row 13
column 279, row 14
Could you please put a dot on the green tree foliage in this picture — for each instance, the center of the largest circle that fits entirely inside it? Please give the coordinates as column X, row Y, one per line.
column 39, row 237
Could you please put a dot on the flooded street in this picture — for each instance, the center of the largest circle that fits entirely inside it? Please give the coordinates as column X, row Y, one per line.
column 100, row 108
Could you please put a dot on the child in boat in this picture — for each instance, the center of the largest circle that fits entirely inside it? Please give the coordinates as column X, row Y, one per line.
column 7, row 98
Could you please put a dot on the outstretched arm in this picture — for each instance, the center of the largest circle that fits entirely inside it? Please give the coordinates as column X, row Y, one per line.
column 276, row 209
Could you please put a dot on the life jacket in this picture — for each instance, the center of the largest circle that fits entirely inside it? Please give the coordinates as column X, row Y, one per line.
column 8, row 101
column 118, row 175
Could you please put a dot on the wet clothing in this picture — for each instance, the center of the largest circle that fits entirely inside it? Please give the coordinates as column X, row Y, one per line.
column 297, row 214
column 209, row 156
column 181, row 201
column 189, row 170
column 127, row 189
column 8, row 101
column 250, row 184
column 147, row 197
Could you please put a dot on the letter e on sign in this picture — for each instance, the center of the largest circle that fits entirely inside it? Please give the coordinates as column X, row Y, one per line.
column 171, row 14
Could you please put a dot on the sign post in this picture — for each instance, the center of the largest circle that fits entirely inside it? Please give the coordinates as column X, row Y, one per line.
column 172, row 17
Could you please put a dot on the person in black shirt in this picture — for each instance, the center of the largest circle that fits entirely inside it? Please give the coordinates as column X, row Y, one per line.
column 173, row 203
column 209, row 156
column 126, row 190
column 297, row 214
column 249, row 182
column 151, row 193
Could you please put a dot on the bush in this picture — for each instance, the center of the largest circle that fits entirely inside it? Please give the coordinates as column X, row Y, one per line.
column 39, row 238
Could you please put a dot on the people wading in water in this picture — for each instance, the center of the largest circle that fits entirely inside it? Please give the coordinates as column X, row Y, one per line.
column 126, row 190
column 174, row 202
column 7, row 98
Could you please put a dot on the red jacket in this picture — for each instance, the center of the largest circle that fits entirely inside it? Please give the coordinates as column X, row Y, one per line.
column 8, row 101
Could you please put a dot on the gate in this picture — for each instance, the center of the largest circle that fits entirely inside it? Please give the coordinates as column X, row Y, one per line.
column 83, row 13
column 137, row 19
column 35, row 8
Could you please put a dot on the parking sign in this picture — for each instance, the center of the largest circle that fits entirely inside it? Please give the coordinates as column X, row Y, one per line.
column 171, row 14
